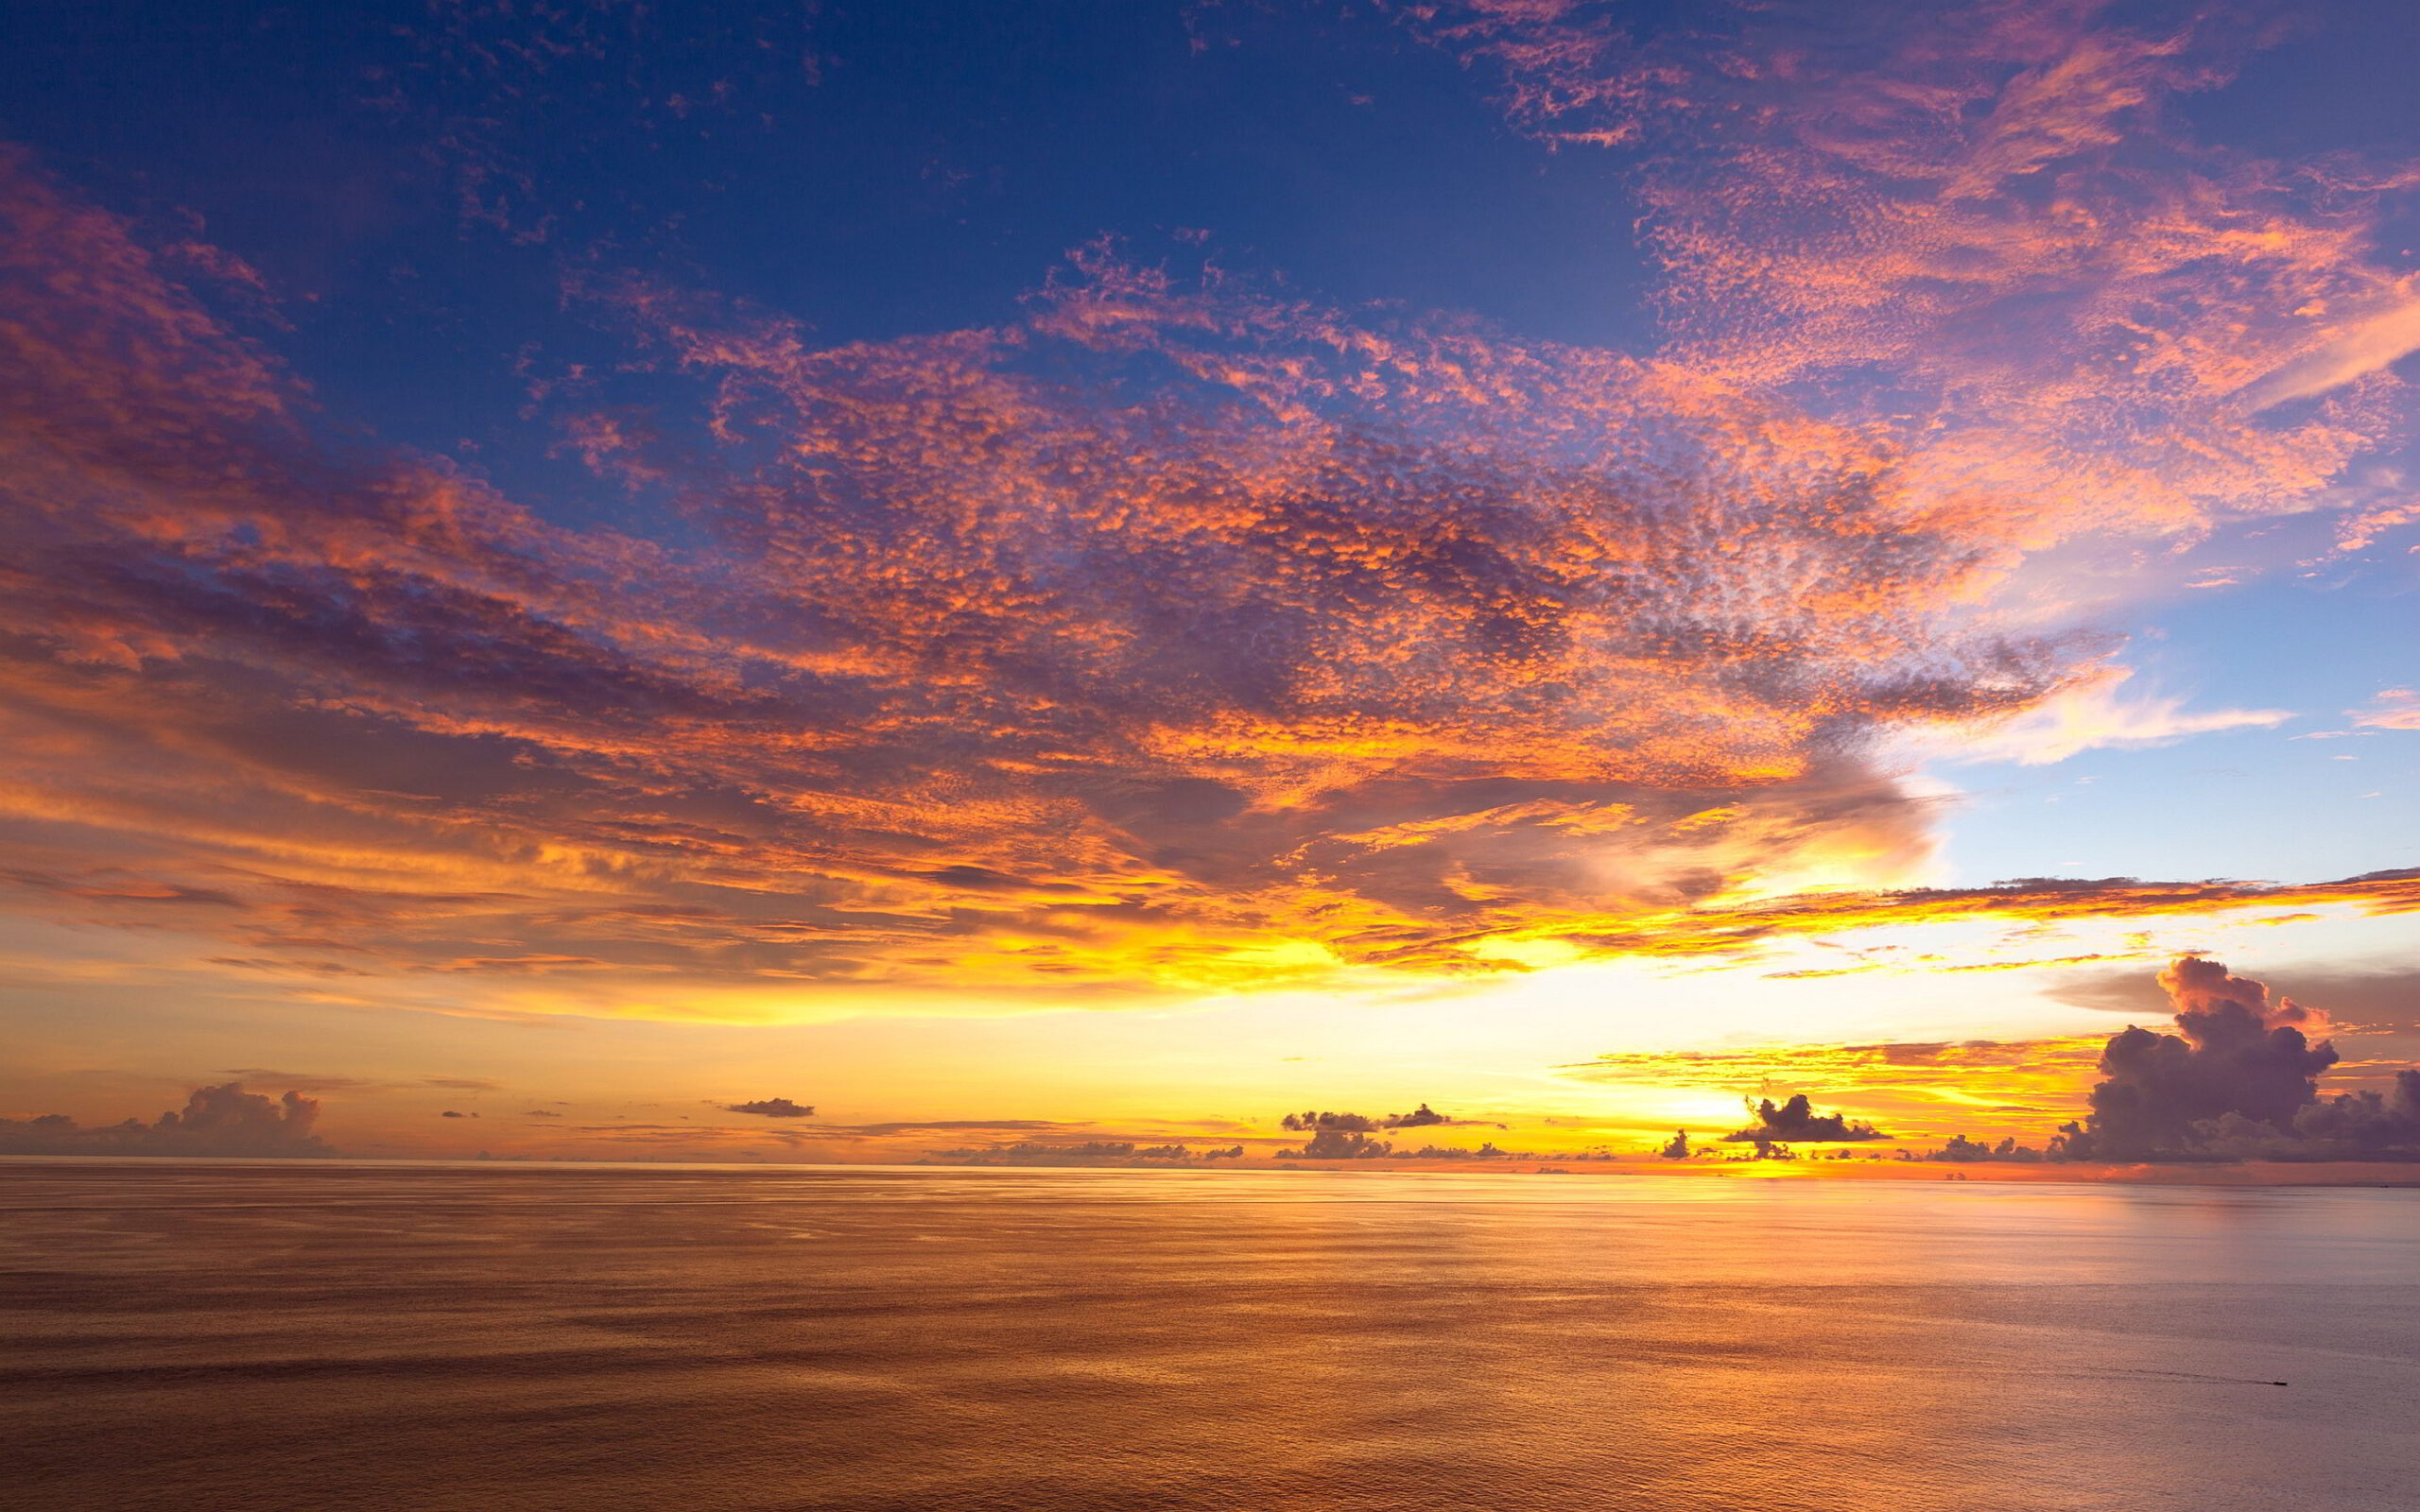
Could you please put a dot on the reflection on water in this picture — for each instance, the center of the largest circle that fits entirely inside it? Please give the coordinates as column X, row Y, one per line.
column 495, row 1339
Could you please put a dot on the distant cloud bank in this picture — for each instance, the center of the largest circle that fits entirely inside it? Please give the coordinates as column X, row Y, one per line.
column 216, row 1121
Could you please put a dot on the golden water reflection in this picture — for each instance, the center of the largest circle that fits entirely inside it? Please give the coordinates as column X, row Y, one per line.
column 874, row 1339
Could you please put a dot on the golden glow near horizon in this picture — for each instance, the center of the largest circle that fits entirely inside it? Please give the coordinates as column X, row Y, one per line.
column 1170, row 698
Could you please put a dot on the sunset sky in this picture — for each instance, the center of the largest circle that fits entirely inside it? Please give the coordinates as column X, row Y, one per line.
column 1116, row 570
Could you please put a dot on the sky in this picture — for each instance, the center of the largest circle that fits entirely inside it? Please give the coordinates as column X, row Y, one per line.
column 875, row 582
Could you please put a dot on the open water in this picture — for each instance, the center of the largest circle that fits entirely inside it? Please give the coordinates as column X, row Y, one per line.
column 210, row 1337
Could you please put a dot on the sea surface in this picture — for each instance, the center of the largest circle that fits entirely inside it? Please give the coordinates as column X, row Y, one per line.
column 513, row 1339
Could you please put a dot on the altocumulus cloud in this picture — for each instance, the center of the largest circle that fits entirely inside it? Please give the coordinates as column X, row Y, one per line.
column 1175, row 633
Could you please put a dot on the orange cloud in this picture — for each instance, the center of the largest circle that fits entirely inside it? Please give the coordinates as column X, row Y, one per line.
column 1327, row 644
column 1724, row 930
column 1979, row 230
column 2394, row 708
column 1177, row 635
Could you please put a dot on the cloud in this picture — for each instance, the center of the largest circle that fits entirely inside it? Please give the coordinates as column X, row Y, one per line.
column 1713, row 931
column 1340, row 1144
column 2342, row 352
column 1421, row 1117
column 2240, row 1081
column 1334, row 642
column 2092, row 715
column 1179, row 634
column 2035, row 1069
column 1962, row 1150
column 1487, row 1151
column 1985, row 229
column 1797, row 1122
column 1346, row 1135
column 2361, row 1125
column 2381, row 998
column 770, row 1107
column 216, row 1122
column 2239, row 1057
column 2394, row 709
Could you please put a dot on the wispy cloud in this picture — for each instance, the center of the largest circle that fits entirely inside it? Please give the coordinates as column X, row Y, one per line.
column 2093, row 713
column 2394, row 708
column 2342, row 354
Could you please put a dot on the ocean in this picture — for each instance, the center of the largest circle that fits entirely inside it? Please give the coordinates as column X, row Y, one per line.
column 518, row 1338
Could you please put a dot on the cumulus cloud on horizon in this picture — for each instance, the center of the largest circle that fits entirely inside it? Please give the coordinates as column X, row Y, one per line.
column 218, row 1121
column 2240, row 1079
column 1421, row 1117
column 1795, row 1120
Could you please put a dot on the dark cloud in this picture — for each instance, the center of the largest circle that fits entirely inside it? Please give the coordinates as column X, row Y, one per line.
column 1346, row 1135
column 1351, row 1145
column 1963, row 1151
column 1796, row 1121
column 1306, row 1122
column 540, row 1113
column 1487, row 1151
column 449, row 1113
column 770, row 1107
column 2240, row 1079
column 216, row 1121
column 1421, row 1117
column 2359, row 1126
column 2238, row 1056
column 1340, row 1144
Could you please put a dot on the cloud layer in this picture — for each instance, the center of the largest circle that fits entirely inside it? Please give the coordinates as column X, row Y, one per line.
column 1177, row 634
